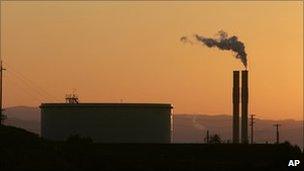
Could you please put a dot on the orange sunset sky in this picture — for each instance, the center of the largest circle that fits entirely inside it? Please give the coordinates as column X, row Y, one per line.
column 109, row 51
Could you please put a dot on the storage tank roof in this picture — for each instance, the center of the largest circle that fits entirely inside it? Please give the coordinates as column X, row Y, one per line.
column 84, row 105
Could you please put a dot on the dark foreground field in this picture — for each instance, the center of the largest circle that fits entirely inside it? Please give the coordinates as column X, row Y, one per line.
column 21, row 150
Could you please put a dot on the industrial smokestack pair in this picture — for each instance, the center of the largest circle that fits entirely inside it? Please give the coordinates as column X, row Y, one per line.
column 232, row 43
column 244, row 106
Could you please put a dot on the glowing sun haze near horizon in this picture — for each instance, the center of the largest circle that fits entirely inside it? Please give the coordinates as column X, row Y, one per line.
column 110, row 51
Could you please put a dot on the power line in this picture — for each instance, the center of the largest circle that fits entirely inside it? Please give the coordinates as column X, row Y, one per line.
column 31, row 83
column 25, row 84
column 19, row 99
column 25, row 90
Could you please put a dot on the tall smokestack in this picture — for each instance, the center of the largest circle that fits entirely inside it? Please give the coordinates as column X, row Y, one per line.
column 236, row 107
column 245, row 106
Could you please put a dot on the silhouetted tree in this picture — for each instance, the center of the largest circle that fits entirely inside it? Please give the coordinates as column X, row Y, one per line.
column 287, row 143
column 215, row 139
column 77, row 139
column 294, row 148
column 3, row 117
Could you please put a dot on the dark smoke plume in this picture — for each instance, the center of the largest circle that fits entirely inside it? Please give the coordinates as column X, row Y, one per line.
column 223, row 43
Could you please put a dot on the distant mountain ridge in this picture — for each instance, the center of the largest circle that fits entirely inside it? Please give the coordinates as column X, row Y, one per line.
column 188, row 128
column 23, row 117
column 23, row 113
column 192, row 128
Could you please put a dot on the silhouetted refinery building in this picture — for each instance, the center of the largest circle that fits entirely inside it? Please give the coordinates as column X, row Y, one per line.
column 107, row 122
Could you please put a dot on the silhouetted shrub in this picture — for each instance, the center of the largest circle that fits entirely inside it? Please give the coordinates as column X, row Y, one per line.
column 78, row 139
column 215, row 139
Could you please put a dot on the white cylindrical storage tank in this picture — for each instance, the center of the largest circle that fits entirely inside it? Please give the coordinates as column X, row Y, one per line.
column 107, row 122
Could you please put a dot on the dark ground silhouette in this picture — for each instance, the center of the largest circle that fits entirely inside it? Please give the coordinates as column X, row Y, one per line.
column 185, row 126
column 22, row 150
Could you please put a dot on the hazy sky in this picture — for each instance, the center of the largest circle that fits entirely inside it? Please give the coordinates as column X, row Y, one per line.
column 109, row 51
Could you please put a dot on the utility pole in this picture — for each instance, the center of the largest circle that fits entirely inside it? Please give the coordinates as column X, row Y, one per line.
column 206, row 139
column 1, row 81
column 208, row 136
column 277, row 132
column 251, row 126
